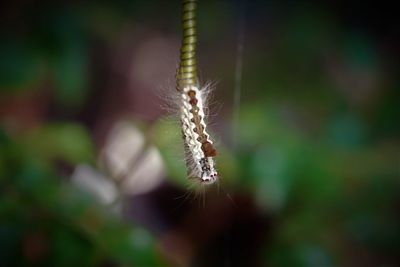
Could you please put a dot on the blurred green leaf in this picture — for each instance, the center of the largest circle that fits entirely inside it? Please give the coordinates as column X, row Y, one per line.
column 75, row 229
column 20, row 67
column 70, row 74
column 166, row 134
column 68, row 142
column 303, row 255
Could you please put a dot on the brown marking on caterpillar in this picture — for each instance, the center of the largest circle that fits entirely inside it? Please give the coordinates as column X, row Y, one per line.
column 193, row 101
column 208, row 149
column 191, row 93
column 199, row 129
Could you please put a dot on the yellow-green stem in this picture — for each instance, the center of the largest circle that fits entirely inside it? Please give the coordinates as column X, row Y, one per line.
column 187, row 72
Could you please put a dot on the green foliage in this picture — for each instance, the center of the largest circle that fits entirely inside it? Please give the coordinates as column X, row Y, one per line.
column 69, row 142
column 317, row 150
column 47, row 222
column 19, row 66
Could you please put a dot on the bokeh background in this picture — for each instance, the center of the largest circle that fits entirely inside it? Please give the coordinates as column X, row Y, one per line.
column 91, row 162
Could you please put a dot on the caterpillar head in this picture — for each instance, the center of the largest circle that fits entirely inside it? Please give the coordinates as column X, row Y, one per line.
column 208, row 173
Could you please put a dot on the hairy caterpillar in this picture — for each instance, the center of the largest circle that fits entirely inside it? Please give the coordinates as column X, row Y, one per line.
column 199, row 148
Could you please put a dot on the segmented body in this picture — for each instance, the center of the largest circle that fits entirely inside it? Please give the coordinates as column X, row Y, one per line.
column 187, row 71
column 199, row 148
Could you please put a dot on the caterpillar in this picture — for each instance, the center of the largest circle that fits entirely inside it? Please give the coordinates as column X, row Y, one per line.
column 199, row 148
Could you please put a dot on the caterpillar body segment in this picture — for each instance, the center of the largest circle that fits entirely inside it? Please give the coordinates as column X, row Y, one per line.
column 199, row 148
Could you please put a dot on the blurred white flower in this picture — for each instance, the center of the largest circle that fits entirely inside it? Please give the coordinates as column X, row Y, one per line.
column 136, row 166
column 95, row 183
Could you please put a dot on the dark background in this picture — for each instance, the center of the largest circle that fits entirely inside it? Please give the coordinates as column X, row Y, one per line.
column 91, row 167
